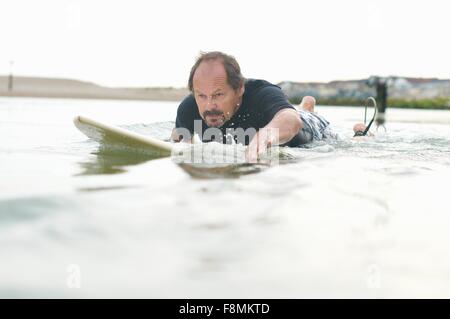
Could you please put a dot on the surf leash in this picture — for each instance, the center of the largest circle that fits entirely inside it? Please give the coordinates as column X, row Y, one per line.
column 374, row 102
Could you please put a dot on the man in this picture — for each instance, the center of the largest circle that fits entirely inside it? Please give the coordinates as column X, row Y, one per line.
column 223, row 100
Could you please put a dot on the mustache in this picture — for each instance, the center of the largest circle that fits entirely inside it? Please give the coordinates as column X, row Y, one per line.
column 212, row 112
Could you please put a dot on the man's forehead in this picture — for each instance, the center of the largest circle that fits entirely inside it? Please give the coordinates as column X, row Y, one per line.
column 210, row 75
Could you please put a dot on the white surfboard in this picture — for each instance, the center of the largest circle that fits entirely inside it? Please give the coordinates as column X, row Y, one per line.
column 113, row 135
column 116, row 137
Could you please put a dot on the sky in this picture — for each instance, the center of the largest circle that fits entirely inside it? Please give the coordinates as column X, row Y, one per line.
column 155, row 43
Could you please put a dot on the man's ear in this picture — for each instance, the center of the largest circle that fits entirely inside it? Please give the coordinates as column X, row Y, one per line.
column 242, row 89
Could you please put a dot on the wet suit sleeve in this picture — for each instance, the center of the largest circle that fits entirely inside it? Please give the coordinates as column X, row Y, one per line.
column 269, row 101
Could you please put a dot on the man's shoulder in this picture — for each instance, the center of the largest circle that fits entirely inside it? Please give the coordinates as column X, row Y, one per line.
column 187, row 112
column 188, row 102
column 258, row 91
column 188, row 107
column 254, row 85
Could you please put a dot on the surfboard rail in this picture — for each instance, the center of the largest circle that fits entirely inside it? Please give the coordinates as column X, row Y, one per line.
column 102, row 132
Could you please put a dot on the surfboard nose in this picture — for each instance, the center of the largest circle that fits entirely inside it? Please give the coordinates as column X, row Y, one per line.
column 76, row 119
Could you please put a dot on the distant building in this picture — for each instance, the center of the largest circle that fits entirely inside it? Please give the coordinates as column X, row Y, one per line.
column 399, row 87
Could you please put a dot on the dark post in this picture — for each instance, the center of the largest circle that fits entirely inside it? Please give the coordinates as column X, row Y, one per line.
column 382, row 95
column 380, row 85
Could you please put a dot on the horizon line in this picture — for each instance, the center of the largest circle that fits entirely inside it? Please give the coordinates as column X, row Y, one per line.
column 185, row 87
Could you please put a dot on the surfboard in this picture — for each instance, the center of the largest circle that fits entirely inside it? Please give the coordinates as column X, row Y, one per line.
column 112, row 138
column 113, row 135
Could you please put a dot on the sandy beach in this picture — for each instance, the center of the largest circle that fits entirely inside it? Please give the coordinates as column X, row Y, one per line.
column 65, row 88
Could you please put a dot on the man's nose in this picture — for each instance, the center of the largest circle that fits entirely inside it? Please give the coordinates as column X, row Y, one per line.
column 210, row 101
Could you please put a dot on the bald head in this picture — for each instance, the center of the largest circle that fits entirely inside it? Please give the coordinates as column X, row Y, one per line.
column 231, row 66
column 210, row 74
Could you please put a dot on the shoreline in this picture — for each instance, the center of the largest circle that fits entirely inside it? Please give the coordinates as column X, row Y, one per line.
column 155, row 97
column 33, row 87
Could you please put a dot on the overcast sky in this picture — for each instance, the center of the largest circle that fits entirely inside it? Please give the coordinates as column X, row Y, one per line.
column 154, row 43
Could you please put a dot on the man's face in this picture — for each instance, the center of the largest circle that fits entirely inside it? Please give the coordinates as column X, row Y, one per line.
column 216, row 99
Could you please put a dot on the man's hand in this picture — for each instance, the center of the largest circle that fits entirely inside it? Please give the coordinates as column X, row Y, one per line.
column 175, row 137
column 283, row 127
column 266, row 137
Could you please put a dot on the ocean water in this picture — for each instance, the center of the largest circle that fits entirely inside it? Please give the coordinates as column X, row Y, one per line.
column 344, row 218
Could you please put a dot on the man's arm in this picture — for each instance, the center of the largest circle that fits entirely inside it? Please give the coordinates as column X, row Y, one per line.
column 281, row 129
